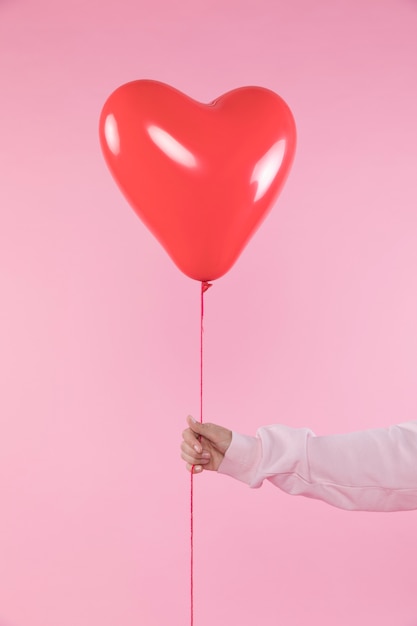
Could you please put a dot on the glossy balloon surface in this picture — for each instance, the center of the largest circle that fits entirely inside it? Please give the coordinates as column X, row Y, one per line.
column 200, row 176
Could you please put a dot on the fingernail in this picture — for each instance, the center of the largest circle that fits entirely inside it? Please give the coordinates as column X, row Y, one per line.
column 198, row 448
column 206, row 455
column 197, row 468
column 190, row 417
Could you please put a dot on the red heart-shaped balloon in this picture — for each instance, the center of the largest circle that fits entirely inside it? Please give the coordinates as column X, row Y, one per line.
column 200, row 176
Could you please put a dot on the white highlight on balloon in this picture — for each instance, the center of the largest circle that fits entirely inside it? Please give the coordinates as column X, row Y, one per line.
column 171, row 147
column 267, row 168
column 111, row 133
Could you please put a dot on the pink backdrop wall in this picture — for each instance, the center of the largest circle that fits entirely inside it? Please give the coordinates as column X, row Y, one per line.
column 315, row 326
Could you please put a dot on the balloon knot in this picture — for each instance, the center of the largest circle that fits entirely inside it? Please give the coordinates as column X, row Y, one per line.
column 205, row 285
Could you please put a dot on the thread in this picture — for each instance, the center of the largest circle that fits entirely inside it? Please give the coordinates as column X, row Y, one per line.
column 204, row 287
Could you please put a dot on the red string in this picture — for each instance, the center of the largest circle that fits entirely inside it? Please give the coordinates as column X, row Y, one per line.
column 204, row 286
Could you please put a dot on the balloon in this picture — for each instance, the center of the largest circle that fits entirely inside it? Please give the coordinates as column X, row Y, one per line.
column 200, row 176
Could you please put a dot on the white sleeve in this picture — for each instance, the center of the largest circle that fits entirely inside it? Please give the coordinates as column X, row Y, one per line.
column 370, row 470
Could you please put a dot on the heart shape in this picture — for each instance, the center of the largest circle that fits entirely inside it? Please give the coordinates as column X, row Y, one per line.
column 200, row 176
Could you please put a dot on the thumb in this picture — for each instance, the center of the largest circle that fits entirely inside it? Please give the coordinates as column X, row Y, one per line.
column 196, row 427
column 218, row 436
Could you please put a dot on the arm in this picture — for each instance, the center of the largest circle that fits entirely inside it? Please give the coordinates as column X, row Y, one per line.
column 371, row 470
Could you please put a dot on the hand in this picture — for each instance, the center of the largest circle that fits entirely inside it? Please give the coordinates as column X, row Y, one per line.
column 204, row 445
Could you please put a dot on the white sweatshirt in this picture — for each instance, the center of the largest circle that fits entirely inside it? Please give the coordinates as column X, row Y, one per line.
column 370, row 470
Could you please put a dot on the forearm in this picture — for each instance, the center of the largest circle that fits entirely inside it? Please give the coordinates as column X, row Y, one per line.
column 371, row 470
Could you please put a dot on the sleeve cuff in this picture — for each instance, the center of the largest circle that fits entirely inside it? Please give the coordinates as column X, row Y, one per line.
column 242, row 458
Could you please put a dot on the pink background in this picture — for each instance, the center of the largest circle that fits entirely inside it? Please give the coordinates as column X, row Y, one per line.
column 315, row 325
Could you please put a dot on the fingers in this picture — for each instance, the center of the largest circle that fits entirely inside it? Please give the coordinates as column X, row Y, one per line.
column 193, row 457
column 195, row 469
column 192, row 450
column 192, row 439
